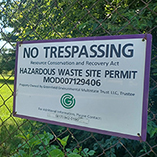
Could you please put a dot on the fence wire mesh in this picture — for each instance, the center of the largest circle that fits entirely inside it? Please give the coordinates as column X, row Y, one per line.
column 22, row 20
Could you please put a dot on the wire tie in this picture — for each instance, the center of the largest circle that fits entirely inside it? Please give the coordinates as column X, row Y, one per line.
column 14, row 113
column 145, row 38
column 138, row 134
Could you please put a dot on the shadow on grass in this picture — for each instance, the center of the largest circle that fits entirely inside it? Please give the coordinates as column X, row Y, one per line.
column 6, row 81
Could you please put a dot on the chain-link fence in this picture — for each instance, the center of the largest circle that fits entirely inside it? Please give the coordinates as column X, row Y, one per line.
column 22, row 20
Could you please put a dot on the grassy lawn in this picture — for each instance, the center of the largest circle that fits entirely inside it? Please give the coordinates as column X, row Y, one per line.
column 6, row 97
column 8, row 123
column 11, row 127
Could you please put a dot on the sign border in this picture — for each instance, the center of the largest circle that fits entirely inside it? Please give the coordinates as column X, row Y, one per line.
column 147, row 37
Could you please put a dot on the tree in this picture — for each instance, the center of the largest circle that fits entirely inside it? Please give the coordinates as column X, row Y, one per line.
column 69, row 18
column 7, row 60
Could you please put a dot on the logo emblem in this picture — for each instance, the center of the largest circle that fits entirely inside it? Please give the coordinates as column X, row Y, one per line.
column 67, row 101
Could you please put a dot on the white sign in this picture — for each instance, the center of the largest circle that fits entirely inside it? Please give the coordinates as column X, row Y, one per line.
column 97, row 84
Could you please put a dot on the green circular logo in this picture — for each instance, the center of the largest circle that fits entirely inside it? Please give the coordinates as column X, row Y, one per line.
column 67, row 100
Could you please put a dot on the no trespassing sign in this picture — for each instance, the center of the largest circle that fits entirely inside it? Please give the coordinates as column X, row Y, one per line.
column 97, row 84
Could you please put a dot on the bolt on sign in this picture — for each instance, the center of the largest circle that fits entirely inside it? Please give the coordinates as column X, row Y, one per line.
column 97, row 84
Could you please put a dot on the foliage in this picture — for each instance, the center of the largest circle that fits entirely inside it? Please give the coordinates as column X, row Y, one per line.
column 46, row 19
column 8, row 145
column 40, row 145
column 55, row 19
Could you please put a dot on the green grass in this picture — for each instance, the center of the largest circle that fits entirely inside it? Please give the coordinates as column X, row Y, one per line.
column 10, row 126
column 6, row 96
column 8, row 123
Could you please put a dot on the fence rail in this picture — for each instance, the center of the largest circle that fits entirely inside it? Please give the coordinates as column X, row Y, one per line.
column 22, row 20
